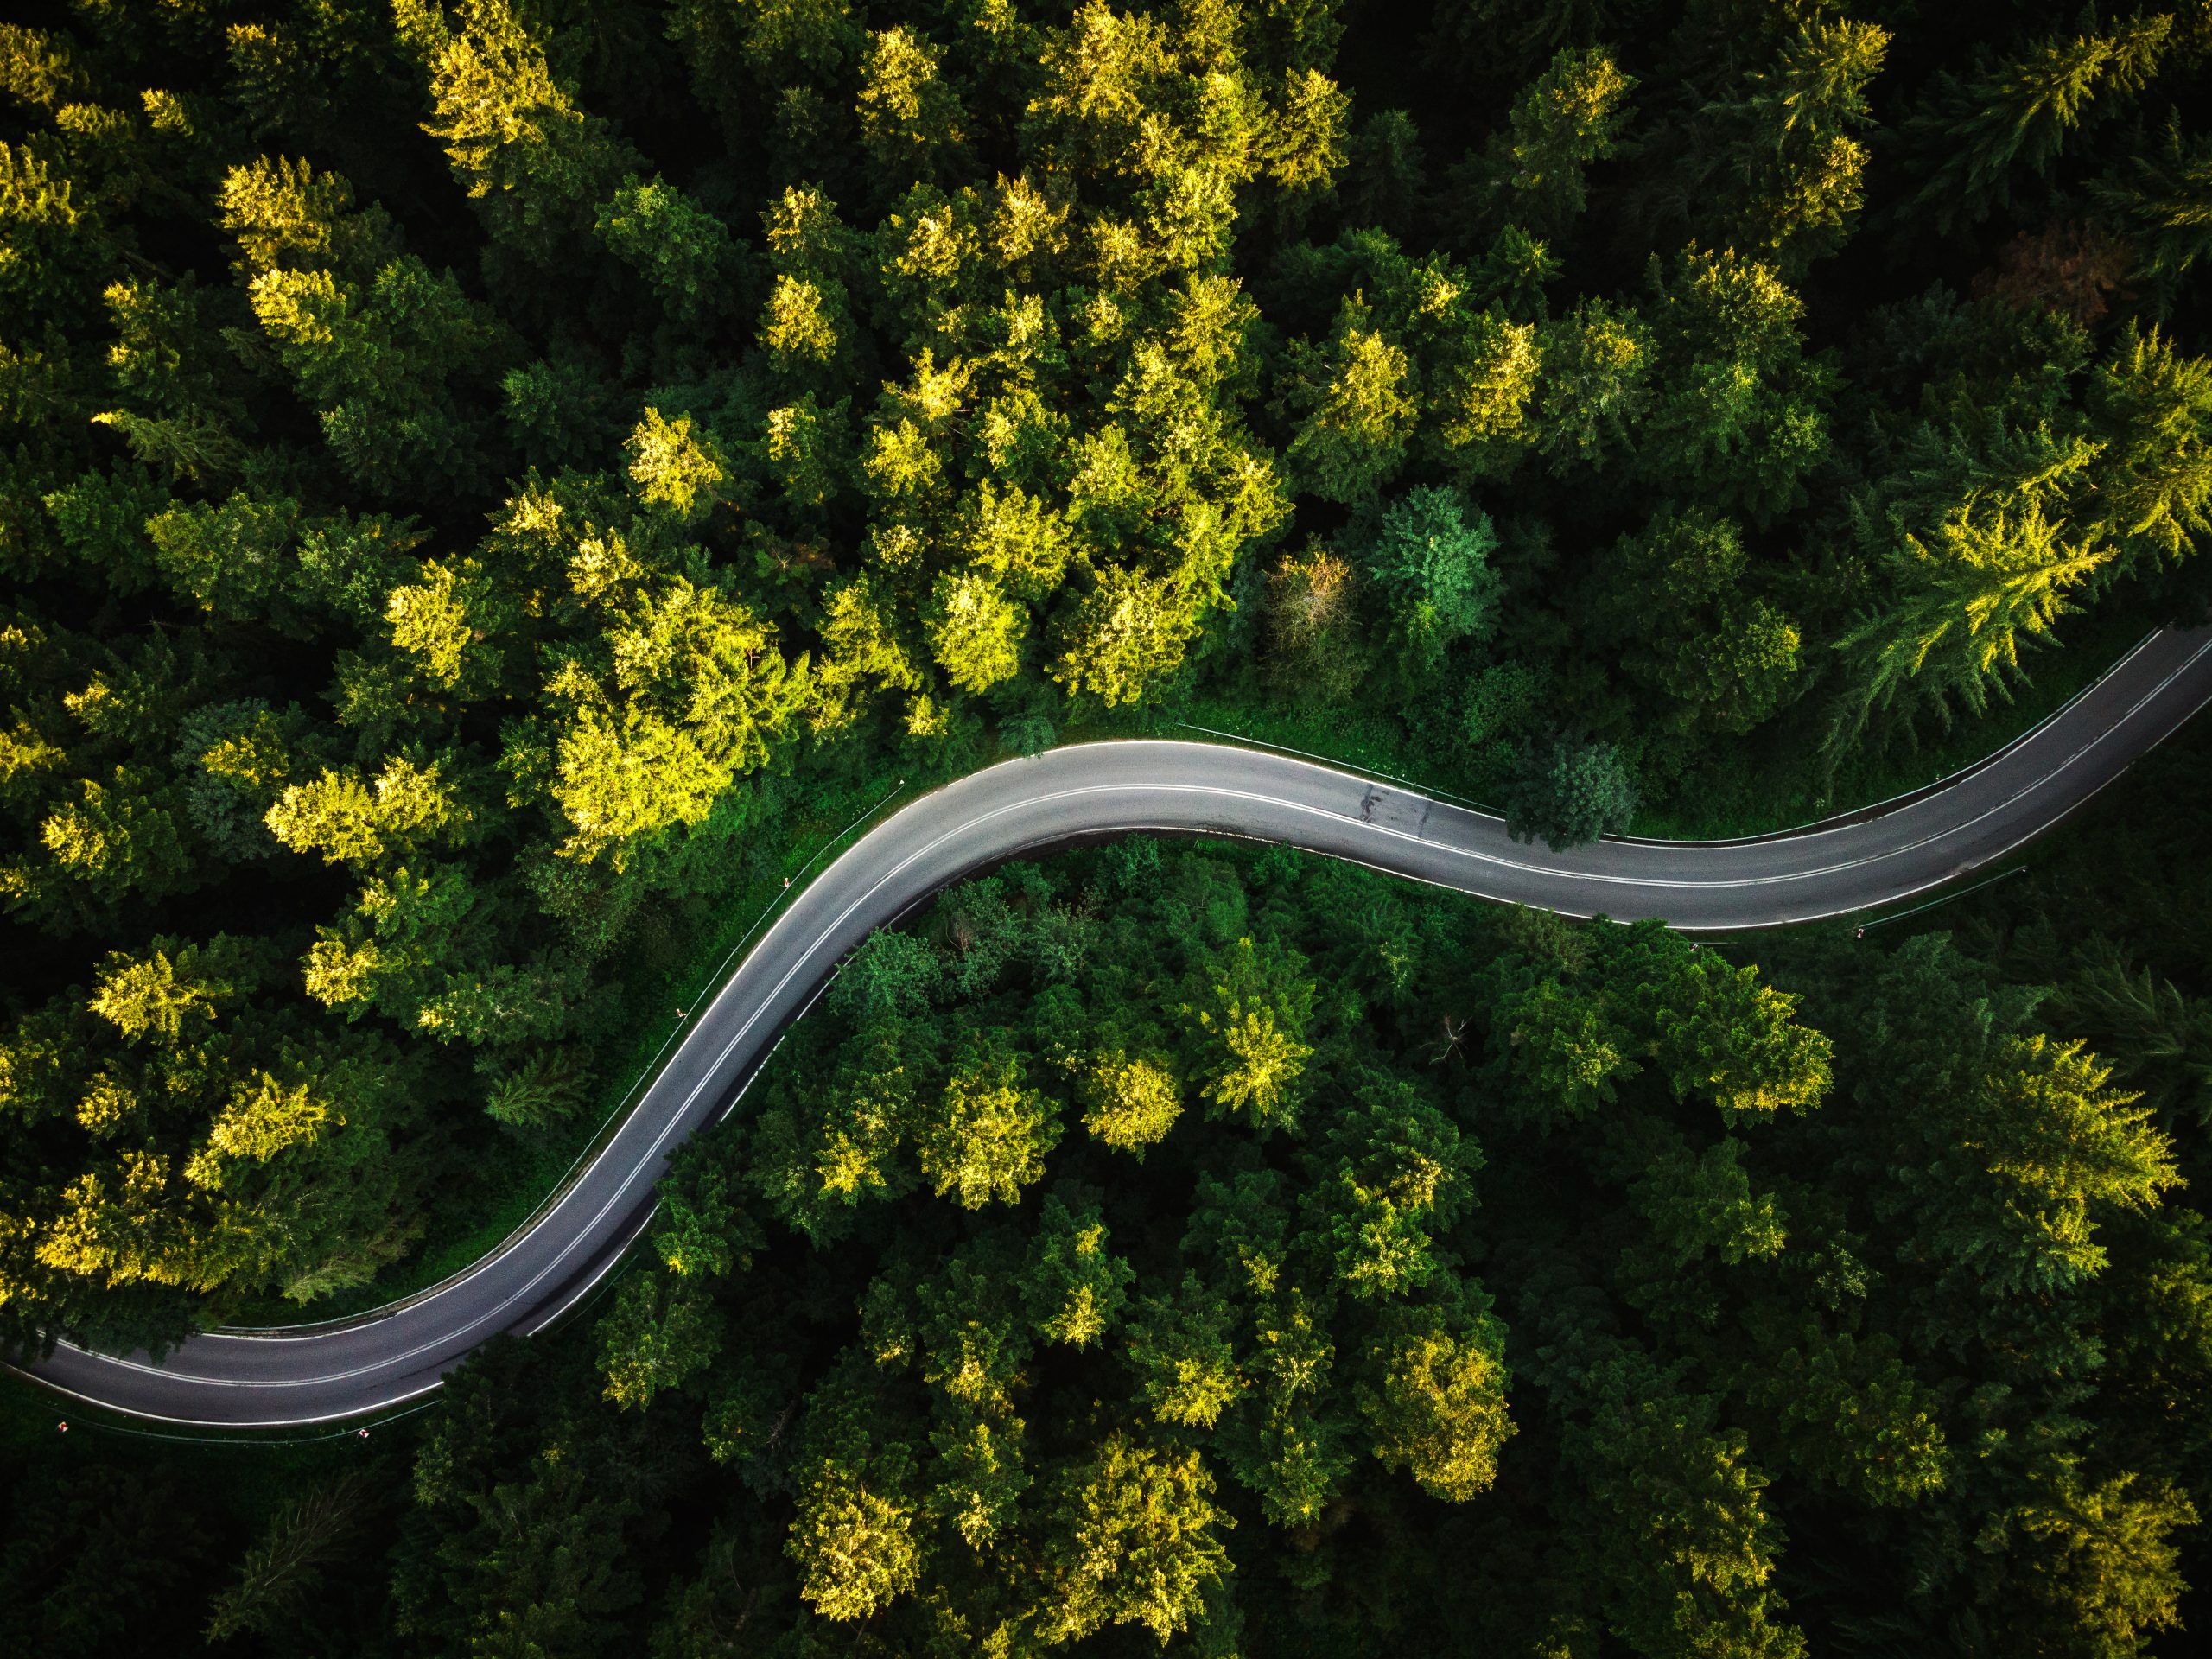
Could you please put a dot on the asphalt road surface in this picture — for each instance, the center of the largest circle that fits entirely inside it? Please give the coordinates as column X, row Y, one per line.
column 323, row 1374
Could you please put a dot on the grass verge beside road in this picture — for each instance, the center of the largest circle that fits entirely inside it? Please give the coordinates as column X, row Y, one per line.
column 517, row 1172
column 1777, row 786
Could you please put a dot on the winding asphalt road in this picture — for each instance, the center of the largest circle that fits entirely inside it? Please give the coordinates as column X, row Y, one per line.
column 321, row 1374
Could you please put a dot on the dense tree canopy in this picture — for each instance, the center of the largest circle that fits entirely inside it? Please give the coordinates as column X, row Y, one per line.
column 485, row 486
column 1591, row 1287
column 447, row 486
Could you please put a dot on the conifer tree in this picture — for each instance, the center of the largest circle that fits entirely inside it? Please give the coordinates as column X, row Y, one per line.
column 2018, row 110
column 1678, row 591
column 1770, row 163
column 540, row 166
column 1571, row 115
column 1567, row 793
column 1430, row 564
column 1987, row 581
column 2152, row 407
column 2166, row 196
column 1353, row 439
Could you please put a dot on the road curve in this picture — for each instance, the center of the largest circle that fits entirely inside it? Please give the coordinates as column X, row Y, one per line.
column 322, row 1373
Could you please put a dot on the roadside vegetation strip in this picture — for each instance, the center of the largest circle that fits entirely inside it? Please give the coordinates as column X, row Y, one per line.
column 1339, row 763
column 1885, row 788
column 615, row 1116
column 80, row 1415
column 1828, row 820
column 1847, row 816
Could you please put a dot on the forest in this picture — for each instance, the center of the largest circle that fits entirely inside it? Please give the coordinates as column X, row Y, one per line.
column 490, row 489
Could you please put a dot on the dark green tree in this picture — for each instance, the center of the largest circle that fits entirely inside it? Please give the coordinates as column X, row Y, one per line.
column 1569, row 793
